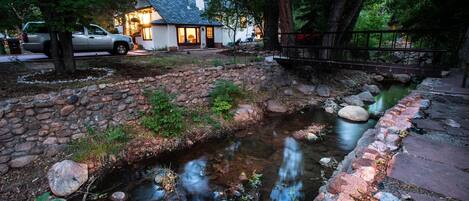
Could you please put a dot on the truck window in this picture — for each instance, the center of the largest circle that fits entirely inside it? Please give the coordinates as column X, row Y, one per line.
column 93, row 30
column 36, row 28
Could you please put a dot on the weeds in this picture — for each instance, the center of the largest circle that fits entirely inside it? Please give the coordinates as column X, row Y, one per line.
column 223, row 97
column 99, row 145
column 255, row 180
column 165, row 118
column 217, row 62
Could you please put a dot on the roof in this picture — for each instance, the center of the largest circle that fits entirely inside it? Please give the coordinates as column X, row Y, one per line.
column 180, row 12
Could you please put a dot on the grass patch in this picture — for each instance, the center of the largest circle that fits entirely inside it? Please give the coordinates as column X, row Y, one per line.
column 98, row 145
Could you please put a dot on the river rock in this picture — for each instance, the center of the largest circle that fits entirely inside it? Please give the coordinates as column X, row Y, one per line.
column 22, row 161
column 378, row 78
column 366, row 97
column 330, row 106
column 118, row 196
column 354, row 113
column 404, row 78
column 373, row 89
column 3, row 169
column 323, row 91
column 65, row 111
column 275, row 106
column 306, row 89
column 354, row 100
column 385, row 196
column 246, row 113
column 66, row 177
column 328, row 162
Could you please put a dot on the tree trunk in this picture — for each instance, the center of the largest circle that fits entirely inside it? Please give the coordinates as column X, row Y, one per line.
column 286, row 21
column 55, row 52
column 67, row 51
column 271, row 16
column 464, row 57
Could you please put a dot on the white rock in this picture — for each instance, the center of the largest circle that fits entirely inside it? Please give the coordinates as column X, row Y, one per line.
column 327, row 162
column 354, row 113
column 66, row 177
column 404, row 78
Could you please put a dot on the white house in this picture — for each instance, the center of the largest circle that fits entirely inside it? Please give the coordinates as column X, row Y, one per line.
column 176, row 24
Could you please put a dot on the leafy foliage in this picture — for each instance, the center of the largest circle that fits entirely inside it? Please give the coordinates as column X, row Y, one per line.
column 98, row 145
column 255, row 181
column 223, row 97
column 165, row 118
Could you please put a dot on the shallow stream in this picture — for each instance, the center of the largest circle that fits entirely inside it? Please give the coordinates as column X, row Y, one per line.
column 290, row 168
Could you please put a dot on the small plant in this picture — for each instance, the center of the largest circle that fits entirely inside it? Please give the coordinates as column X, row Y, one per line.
column 223, row 97
column 258, row 59
column 165, row 118
column 255, row 180
column 98, row 145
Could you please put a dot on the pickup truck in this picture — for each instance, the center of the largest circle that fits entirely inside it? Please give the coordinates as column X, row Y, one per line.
column 90, row 38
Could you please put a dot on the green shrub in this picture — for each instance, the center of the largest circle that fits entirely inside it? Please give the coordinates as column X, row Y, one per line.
column 165, row 118
column 99, row 145
column 223, row 97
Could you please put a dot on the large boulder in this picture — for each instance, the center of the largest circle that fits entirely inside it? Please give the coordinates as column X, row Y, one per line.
column 354, row 113
column 323, row 91
column 306, row 89
column 373, row 89
column 354, row 100
column 275, row 106
column 366, row 96
column 66, row 177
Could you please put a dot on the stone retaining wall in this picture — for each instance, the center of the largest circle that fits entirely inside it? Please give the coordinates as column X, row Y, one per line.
column 34, row 125
column 359, row 171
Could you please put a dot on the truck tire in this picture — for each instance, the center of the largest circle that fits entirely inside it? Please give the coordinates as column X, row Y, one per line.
column 121, row 48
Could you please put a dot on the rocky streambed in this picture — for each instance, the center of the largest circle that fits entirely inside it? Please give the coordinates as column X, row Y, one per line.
column 285, row 157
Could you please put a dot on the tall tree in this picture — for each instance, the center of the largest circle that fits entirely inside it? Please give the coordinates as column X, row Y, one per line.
column 286, row 20
column 62, row 17
column 271, row 16
column 14, row 13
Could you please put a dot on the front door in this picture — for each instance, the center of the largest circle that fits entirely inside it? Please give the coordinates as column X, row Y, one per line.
column 210, row 37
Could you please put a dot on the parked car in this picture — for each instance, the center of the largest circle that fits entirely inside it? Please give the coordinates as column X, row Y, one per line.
column 90, row 38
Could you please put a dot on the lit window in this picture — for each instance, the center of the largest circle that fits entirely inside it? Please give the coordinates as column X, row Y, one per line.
column 147, row 33
column 181, row 35
column 209, row 32
column 188, row 35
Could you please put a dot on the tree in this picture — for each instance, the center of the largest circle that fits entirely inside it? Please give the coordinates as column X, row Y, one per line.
column 63, row 16
column 230, row 13
column 270, row 18
column 286, row 20
column 14, row 13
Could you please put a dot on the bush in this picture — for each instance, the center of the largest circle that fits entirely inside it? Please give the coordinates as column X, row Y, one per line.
column 99, row 145
column 223, row 97
column 165, row 118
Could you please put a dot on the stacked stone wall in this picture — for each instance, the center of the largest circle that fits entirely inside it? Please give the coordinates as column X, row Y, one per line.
column 31, row 126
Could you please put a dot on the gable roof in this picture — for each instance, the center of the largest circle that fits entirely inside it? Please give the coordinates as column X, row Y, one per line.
column 179, row 12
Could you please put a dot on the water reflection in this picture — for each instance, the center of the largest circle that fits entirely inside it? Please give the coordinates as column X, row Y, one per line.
column 289, row 185
column 349, row 133
column 147, row 192
column 194, row 179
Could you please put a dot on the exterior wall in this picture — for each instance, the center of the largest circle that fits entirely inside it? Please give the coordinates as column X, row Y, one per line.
column 219, row 34
column 147, row 44
column 172, row 37
column 203, row 37
column 242, row 34
column 160, row 36
column 32, row 125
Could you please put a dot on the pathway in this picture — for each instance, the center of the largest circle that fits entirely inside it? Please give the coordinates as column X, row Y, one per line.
column 40, row 56
column 433, row 163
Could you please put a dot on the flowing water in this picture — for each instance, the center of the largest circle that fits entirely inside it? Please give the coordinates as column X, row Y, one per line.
column 289, row 168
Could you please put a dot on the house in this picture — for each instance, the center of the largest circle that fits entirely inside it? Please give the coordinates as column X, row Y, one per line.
column 174, row 25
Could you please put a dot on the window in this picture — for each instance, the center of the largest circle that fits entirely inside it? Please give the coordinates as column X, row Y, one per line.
column 36, row 28
column 94, row 30
column 146, row 33
column 145, row 17
column 188, row 35
column 210, row 32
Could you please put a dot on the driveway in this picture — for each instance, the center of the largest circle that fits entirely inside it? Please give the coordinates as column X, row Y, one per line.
column 40, row 56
